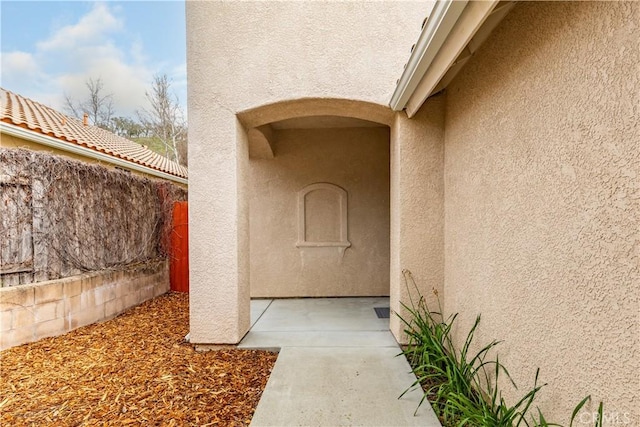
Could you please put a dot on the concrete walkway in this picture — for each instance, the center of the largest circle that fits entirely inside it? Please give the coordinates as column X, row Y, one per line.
column 337, row 365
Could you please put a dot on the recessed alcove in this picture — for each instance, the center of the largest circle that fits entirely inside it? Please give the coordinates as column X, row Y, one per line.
column 319, row 207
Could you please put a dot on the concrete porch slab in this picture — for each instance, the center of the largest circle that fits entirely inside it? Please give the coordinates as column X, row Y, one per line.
column 258, row 307
column 323, row 314
column 338, row 365
column 268, row 340
column 341, row 387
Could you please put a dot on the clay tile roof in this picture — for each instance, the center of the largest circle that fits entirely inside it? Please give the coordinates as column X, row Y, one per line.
column 23, row 112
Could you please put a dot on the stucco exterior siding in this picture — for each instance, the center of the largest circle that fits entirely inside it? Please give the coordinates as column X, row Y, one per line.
column 417, row 209
column 542, row 162
column 355, row 159
column 514, row 193
column 342, row 57
column 219, row 217
column 245, row 54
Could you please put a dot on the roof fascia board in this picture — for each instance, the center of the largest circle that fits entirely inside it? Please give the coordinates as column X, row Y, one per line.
column 49, row 141
column 442, row 19
column 472, row 18
column 492, row 21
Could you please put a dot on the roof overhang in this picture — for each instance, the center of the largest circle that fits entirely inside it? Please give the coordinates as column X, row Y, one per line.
column 49, row 141
column 453, row 32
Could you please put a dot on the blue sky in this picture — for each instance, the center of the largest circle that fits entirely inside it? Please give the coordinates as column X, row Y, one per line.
column 50, row 48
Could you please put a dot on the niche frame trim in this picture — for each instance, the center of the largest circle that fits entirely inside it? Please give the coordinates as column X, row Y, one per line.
column 344, row 218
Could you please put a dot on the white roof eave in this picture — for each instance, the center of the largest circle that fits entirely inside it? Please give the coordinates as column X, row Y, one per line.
column 445, row 41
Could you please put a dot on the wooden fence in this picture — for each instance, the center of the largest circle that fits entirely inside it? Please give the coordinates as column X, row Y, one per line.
column 60, row 217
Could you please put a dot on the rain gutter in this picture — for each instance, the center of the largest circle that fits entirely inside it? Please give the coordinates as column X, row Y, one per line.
column 442, row 43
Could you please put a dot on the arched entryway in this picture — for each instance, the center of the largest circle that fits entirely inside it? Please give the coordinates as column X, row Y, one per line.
column 245, row 208
column 318, row 199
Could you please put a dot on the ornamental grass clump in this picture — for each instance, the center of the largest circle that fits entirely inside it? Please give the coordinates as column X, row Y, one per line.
column 463, row 386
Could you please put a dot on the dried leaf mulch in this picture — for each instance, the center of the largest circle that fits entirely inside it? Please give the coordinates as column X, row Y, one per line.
column 135, row 369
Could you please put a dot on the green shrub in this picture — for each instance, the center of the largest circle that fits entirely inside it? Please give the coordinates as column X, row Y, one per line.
column 463, row 386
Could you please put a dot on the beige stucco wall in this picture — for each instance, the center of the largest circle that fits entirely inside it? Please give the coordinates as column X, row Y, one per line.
column 355, row 159
column 218, row 228
column 417, row 209
column 243, row 56
column 542, row 164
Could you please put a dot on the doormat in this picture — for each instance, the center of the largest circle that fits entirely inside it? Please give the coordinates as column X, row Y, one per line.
column 382, row 312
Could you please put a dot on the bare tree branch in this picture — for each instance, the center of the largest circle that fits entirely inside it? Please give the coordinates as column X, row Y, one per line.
column 98, row 106
column 165, row 118
column 71, row 107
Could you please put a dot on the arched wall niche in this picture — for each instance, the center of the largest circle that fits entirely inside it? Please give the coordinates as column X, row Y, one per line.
column 323, row 216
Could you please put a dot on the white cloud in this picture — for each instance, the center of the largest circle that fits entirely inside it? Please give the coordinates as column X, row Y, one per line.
column 125, row 82
column 137, row 51
column 178, row 76
column 18, row 65
column 75, row 53
column 179, row 73
column 22, row 74
column 91, row 28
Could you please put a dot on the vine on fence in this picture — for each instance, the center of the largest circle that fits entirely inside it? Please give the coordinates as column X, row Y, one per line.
column 60, row 217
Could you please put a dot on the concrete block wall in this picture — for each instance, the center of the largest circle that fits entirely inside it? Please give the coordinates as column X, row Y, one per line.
column 31, row 312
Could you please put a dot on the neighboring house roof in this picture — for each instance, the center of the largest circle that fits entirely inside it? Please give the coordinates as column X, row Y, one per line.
column 22, row 112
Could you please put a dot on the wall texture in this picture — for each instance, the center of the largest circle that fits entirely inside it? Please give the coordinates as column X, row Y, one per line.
column 245, row 55
column 31, row 312
column 218, row 228
column 264, row 52
column 417, row 208
column 542, row 164
column 356, row 159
